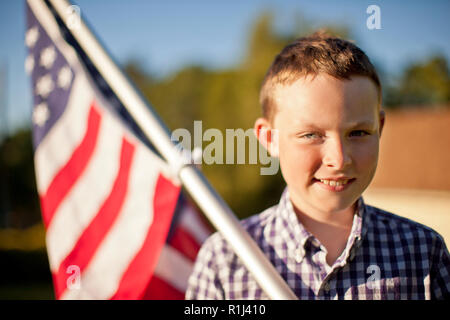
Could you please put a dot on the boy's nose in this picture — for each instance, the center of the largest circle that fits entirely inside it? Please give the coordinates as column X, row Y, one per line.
column 336, row 154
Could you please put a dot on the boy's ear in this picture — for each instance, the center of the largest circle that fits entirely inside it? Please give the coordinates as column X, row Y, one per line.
column 267, row 136
column 382, row 117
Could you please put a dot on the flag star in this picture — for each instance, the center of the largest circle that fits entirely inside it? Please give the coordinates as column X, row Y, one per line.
column 48, row 56
column 44, row 85
column 31, row 37
column 64, row 77
column 41, row 114
column 29, row 63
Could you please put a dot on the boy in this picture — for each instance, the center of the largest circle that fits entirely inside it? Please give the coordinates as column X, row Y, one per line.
column 322, row 98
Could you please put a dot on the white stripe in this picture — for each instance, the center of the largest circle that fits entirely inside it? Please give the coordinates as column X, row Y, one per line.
column 85, row 198
column 57, row 147
column 174, row 268
column 101, row 278
column 191, row 222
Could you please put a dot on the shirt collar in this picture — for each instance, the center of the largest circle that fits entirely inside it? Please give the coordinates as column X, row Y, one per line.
column 359, row 229
column 297, row 238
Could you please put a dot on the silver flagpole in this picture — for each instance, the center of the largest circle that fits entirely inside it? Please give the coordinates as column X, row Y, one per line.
column 192, row 179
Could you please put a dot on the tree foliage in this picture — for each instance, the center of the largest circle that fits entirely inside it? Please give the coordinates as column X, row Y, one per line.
column 424, row 83
column 18, row 184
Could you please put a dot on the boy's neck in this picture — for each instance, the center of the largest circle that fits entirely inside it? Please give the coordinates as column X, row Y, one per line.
column 314, row 217
column 331, row 229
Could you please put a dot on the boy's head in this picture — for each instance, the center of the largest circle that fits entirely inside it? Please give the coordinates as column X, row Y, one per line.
column 322, row 117
column 318, row 53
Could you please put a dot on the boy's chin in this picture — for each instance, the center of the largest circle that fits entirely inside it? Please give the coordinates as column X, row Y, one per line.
column 329, row 201
column 333, row 204
column 326, row 204
column 336, row 208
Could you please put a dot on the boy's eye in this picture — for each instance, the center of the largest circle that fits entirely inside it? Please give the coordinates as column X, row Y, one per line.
column 310, row 136
column 359, row 133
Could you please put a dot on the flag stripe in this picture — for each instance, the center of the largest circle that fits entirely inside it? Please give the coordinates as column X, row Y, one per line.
column 140, row 270
column 70, row 173
column 185, row 243
column 93, row 235
column 57, row 147
column 174, row 267
column 85, row 199
column 125, row 238
column 192, row 222
column 159, row 289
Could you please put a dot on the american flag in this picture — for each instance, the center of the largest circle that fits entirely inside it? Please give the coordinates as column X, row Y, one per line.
column 107, row 198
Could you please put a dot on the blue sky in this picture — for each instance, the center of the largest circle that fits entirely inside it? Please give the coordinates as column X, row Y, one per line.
column 167, row 35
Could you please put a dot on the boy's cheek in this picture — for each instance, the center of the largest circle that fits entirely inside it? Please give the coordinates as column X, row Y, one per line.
column 366, row 163
column 296, row 162
column 368, row 153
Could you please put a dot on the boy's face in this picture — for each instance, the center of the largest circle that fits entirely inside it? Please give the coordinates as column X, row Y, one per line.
column 328, row 140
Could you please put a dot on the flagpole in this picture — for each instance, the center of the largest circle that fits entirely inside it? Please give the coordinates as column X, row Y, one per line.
column 192, row 179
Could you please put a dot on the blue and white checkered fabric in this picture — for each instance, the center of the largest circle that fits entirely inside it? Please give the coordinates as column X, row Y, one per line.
column 386, row 257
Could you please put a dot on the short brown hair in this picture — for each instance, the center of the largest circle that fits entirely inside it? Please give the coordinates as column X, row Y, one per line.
column 312, row 55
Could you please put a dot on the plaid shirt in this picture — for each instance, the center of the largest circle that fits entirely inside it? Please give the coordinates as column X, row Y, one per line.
column 386, row 257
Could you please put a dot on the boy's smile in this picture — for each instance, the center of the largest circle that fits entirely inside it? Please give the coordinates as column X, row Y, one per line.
column 328, row 140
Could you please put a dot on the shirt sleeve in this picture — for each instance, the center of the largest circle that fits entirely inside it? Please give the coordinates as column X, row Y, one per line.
column 204, row 284
column 440, row 272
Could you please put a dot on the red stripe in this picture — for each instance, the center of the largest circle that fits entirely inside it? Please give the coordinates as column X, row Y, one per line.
column 184, row 243
column 72, row 170
column 159, row 289
column 139, row 272
column 203, row 221
column 93, row 235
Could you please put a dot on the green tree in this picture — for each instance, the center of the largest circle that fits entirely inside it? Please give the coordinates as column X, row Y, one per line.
column 16, row 162
column 423, row 83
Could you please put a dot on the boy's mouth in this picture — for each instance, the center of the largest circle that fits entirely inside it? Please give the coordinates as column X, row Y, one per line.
column 335, row 184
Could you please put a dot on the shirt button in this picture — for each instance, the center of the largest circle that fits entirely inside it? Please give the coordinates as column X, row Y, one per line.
column 326, row 287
